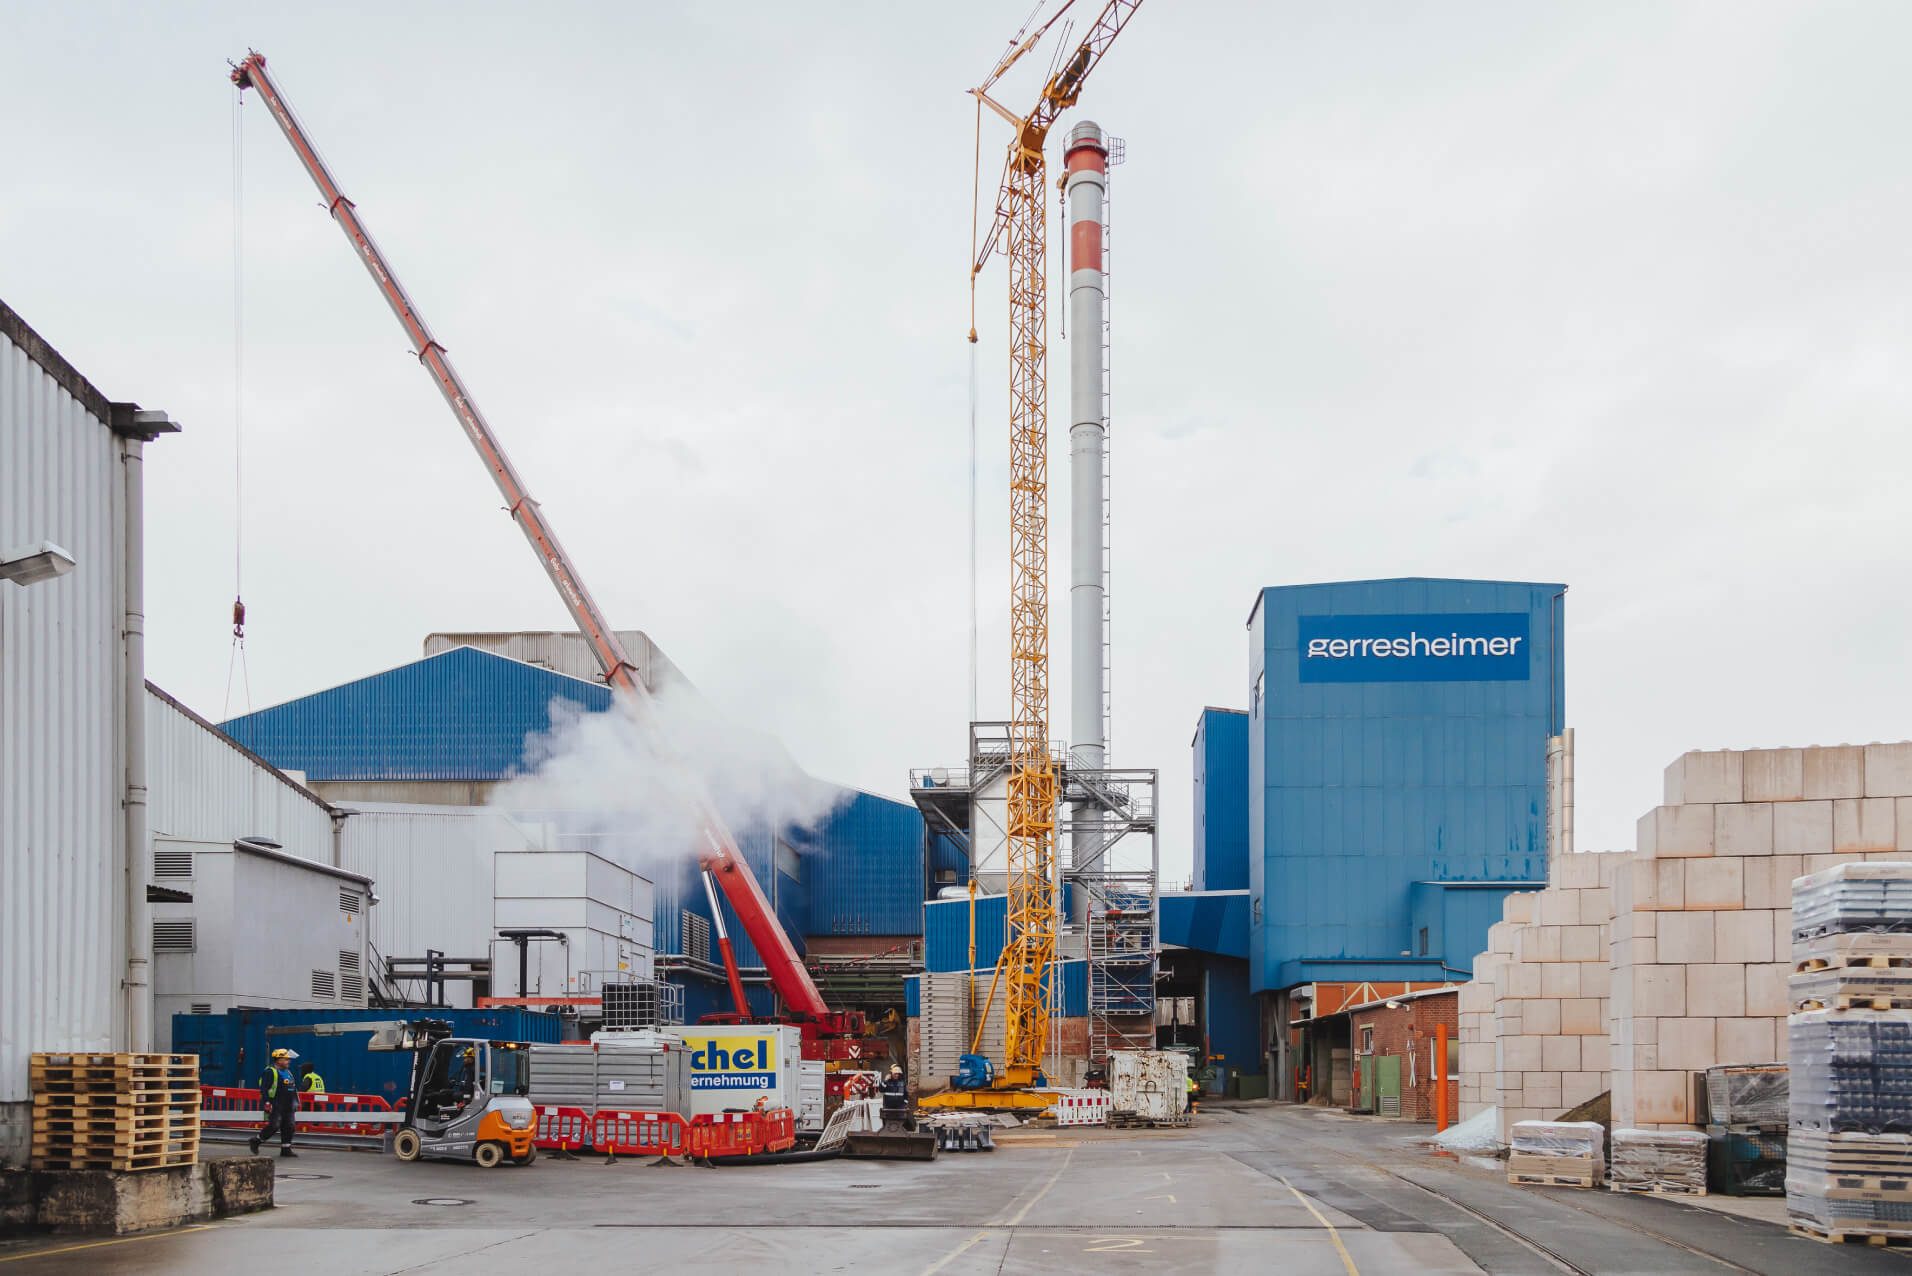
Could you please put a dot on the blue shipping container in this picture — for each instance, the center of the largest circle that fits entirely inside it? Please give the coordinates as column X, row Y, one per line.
column 233, row 1047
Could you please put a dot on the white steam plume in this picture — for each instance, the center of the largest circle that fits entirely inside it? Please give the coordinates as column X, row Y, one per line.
column 634, row 780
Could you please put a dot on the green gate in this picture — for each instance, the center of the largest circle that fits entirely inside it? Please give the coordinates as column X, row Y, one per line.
column 1387, row 1084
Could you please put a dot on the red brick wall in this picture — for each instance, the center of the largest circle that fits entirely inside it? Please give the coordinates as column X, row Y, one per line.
column 1411, row 1029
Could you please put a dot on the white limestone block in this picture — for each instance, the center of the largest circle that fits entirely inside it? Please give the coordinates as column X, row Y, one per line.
column 1716, row 989
column 1558, row 907
column 1802, row 828
column 1577, row 1088
column 1538, row 944
column 1686, row 937
column 1581, row 943
column 1520, row 1054
column 1903, row 807
column 1518, row 907
column 1661, row 1098
column 1581, row 1017
column 1838, row 771
column 1773, row 775
column 1769, row 880
column 1715, row 883
column 1500, row 937
column 1713, row 775
column 1749, row 1040
column 1634, row 953
column 1682, row 832
column 1596, row 906
column 1746, row 937
column 1863, row 826
column 1766, row 989
column 1540, row 1017
column 1743, row 828
column 1520, row 979
column 1889, row 770
column 1560, row 979
column 1658, row 992
column 1560, row 1054
column 1596, row 977
column 1688, row 1043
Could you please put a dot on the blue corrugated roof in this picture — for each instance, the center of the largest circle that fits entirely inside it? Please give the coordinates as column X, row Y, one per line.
column 462, row 715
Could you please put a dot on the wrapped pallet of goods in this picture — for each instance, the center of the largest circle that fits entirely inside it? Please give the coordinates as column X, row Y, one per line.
column 1557, row 1153
column 1849, row 1151
column 1747, row 1114
column 1658, row 1162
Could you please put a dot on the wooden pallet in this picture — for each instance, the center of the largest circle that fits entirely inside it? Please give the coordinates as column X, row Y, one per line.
column 1555, row 1180
column 1853, row 961
column 1658, row 1189
column 1853, row 1001
column 140, row 1124
column 121, row 1164
column 1842, row 1235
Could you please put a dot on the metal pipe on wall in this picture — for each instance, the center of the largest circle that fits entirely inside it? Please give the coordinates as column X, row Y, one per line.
column 1085, row 187
column 139, row 913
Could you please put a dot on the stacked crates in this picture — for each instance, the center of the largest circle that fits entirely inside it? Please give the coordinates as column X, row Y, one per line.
column 1849, row 1171
column 1658, row 1162
column 115, row 1111
column 1747, row 1108
column 1557, row 1153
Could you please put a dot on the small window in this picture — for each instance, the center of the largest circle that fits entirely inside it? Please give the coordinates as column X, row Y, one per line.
column 352, row 987
column 202, row 1007
column 1423, row 941
column 348, row 960
column 172, row 863
column 1367, row 1041
column 348, row 901
column 323, row 985
column 173, row 936
column 696, row 936
column 1257, row 700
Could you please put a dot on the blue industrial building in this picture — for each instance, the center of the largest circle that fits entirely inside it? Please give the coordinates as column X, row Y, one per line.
column 1389, row 783
column 448, row 728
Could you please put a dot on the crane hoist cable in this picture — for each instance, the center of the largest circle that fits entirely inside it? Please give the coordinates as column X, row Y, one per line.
column 236, row 659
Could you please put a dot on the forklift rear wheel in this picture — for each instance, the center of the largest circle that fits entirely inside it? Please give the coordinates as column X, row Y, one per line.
column 406, row 1145
column 488, row 1155
column 529, row 1156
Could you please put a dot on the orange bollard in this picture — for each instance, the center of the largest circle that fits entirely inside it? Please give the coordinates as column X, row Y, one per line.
column 1440, row 1076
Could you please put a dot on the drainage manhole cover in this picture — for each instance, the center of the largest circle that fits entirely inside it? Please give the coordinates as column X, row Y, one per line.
column 304, row 1178
column 441, row 1200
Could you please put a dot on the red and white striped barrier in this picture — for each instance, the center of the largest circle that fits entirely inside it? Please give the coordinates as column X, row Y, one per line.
column 1082, row 1107
column 639, row 1133
column 563, row 1129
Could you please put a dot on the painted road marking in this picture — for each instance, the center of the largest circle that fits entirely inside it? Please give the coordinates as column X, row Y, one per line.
column 1117, row 1244
column 124, row 1240
column 954, row 1254
column 1347, row 1259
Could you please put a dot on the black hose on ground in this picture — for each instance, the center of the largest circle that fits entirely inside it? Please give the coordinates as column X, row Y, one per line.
column 777, row 1158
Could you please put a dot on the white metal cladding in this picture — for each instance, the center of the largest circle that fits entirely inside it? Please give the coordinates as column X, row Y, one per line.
column 433, row 870
column 204, row 788
column 62, row 872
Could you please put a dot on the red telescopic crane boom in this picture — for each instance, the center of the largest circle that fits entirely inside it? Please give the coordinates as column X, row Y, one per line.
column 718, row 853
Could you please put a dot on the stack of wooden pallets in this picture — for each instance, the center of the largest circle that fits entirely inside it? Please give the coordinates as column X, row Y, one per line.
column 1557, row 1154
column 115, row 1111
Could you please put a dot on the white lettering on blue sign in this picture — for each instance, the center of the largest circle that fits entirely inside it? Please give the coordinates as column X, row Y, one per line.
column 1438, row 647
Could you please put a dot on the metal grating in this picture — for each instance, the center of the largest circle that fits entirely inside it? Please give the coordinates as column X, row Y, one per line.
column 348, row 901
column 642, row 1003
column 352, row 987
column 348, row 960
column 173, row 936
column 172, row 863
column 323, row 985
column 695, row 935
column 202, row 1007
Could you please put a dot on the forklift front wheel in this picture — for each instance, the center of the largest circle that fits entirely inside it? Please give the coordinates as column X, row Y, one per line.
column 488, row 1155
column 529, row 1156
column 406, row 1145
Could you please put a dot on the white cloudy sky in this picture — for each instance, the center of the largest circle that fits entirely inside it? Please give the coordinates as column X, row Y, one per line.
column 1611, row 294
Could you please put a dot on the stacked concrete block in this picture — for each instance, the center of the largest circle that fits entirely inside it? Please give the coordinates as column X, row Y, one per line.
column 1534, row 1019
column 1701, row 930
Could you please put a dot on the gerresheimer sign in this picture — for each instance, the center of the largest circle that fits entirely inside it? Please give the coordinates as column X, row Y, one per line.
column 1437, row 647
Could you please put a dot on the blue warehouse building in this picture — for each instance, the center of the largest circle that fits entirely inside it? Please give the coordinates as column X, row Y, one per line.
column 1389, row 781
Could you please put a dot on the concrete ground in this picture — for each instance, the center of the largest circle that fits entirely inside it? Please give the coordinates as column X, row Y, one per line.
column 1250, row 1187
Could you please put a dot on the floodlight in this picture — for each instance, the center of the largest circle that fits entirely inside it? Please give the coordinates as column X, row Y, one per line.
column 31, row 564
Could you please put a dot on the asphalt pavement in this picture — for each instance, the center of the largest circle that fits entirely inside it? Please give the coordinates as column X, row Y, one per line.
column 1251, row 1187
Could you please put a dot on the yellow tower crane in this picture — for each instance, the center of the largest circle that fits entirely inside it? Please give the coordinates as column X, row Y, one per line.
column 1021, row 215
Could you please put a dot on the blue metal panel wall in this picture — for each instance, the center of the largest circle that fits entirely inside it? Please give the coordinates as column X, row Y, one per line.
column 1360, row 788
column 912, row 995
column 712, row 996
column 1230, row 1016
column 1221, row 800
column 462, row 715
column 864, row 867
column 233, row 1047
column 1073, row 984
column 1207, row 922
column 948, row 865
column 678, row 890
column 946, row 932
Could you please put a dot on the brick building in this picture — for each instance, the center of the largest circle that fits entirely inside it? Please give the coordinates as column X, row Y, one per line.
column 1370, row 1045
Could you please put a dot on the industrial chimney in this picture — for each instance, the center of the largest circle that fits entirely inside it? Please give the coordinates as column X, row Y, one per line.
column 1085, row 189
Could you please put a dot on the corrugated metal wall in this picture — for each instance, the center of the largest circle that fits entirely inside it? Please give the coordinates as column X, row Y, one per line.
column 1221, row 801
column 432, row 870
column 864, row 868
column 62, row 879
column 203, row 788
column 1360, row 788
column 946, row 932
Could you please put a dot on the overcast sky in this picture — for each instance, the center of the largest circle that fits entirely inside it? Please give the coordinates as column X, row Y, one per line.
column 1612, row 294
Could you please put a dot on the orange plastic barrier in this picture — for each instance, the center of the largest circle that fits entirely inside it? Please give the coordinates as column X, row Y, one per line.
column 742, row 1133
column 238, row 1106
column 639, row 1133
column 563, row 1129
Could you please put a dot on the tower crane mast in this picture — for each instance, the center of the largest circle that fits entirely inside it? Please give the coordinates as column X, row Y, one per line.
column 1021, row 219
column 823, row 1028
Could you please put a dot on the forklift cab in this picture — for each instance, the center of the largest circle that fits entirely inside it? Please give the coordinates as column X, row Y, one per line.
column 469, row 1100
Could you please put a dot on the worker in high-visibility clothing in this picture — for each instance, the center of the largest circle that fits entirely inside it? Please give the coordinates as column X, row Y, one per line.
column 310, row 1082
column 280, row 1095
column 1194, row 1091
